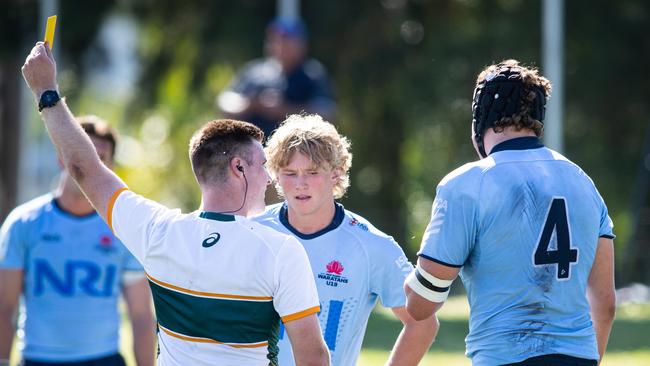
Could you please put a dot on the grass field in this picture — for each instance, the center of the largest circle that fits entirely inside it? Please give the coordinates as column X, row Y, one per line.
column 629, row 343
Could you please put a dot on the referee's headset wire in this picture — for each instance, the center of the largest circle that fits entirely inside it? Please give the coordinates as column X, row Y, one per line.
column 241, row 169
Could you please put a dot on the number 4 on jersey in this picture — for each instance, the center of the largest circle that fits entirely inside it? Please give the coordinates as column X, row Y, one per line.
column 556, row 220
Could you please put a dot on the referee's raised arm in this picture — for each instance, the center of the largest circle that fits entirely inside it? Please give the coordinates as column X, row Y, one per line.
column 234, row 318
column 75, row 148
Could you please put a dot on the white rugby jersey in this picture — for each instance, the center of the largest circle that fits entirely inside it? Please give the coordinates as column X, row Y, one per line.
column 220, row 283
column 354, row 265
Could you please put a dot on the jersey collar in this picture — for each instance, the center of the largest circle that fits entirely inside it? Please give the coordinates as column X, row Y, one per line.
column 519, row 143
column 60, row 210
column 216, row 216
column 339, row 215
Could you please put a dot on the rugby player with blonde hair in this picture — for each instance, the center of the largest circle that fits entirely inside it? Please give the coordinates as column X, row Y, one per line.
column 354, row 264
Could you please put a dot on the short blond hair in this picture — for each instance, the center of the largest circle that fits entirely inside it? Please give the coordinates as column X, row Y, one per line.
column 315, row 138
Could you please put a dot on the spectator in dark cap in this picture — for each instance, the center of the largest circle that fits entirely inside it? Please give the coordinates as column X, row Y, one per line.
column 266, row 90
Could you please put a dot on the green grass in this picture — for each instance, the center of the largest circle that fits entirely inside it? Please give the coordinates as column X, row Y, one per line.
column 629, row 344
column 371, row 357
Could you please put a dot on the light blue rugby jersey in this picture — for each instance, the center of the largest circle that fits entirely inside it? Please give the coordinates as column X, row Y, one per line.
column 354, row 264
column 502, row 219
column 72, row 280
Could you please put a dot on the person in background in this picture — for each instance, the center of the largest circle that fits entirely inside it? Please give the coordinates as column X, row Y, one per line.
column 286, row 81
column 70, row 269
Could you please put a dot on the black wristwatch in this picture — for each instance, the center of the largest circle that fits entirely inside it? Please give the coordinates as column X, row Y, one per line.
column 49, row 98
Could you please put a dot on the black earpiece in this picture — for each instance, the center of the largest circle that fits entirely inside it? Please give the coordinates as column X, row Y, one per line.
column 241, row 169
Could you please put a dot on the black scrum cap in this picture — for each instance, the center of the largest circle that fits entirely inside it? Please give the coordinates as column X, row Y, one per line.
column 503, row 94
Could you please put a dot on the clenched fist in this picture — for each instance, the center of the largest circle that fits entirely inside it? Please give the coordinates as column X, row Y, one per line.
column 39, row 70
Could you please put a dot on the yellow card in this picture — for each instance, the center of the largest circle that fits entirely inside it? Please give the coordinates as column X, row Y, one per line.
column 49, row 30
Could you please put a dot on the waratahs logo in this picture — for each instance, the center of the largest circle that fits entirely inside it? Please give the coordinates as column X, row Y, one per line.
column 360, row 225
column 333, row 276
column 334, row 267
column 105, row 244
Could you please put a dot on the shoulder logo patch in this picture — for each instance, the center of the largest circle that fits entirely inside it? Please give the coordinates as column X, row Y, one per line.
column 211, row 240
column 360, row 225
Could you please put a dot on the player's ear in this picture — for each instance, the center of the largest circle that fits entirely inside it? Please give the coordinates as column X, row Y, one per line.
column 336, row 175
column 236, row 165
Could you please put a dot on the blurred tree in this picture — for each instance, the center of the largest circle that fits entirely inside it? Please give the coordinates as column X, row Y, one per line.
column 19, row 23
column 636, row 259
column 188, row 54
column 607, row 110
column 403, row 72
column 13, row 21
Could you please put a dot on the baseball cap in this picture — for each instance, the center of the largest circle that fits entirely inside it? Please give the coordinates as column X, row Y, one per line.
column 288, row 27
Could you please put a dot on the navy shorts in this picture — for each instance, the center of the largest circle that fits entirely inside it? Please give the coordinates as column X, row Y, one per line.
column 555, row 360
column 112, row 360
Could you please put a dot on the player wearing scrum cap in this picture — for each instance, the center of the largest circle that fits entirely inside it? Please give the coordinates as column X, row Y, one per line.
column 528, row 232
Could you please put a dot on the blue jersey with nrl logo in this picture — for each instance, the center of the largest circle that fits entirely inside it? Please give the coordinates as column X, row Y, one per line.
column 72, row 280
column 354, row 265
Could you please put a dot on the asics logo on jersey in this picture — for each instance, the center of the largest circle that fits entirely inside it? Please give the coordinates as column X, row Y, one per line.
column 403, row 263
column 438, row 212
column 211, row 240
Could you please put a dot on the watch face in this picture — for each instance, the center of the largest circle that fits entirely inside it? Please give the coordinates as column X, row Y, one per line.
column 48, row 99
